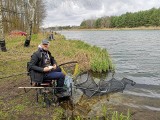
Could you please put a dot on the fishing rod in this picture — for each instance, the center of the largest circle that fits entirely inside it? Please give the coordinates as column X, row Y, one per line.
column 28, row 72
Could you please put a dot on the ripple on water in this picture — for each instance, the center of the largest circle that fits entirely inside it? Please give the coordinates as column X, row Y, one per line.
column 150, row 94
column 136, row 55
column 142, row 106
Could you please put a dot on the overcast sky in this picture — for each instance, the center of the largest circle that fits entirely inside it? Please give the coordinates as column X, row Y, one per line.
column 73, row 12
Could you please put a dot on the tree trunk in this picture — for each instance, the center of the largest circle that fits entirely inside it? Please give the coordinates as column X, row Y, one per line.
column 2, row 40
column 29, row 34
column 31, row 18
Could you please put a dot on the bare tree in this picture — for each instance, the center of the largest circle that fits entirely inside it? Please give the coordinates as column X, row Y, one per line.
column 24, row 15
column 31, row 18
column 40, row 14
column 2, row 39
column 17, row 14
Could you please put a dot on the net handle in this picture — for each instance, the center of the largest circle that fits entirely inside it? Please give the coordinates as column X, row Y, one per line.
column 68, row 63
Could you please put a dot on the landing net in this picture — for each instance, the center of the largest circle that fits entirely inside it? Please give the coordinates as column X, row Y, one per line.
column 86, row 83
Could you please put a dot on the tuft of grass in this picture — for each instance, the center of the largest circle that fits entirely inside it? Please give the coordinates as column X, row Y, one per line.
column 101, row 61
column 58, row 114
column 18, row 108
column 3, row 114
column 89, row 57
column 121, row 116
column 78, row 118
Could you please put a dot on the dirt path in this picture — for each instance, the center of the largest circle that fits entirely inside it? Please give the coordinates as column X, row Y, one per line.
column 17, row 105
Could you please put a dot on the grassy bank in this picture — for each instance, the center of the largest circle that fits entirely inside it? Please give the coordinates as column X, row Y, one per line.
column 110, row 29
column 15, row 104
column 88, row 57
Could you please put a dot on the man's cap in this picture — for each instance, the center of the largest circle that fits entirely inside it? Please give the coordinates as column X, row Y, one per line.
column 45, row 42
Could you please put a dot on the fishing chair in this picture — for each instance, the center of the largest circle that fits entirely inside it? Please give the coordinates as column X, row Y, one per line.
column 45, row 88
column 48, row 87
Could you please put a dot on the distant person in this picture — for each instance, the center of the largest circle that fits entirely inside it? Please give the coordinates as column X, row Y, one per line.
column 43, row 67
column 44, row 32
column 51, row 36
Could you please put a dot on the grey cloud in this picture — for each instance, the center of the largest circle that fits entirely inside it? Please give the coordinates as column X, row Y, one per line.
column 87, row 4
column 72, row 12
column 90, row 4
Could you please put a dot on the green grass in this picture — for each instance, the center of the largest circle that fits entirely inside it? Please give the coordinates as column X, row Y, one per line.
column 89, row 57
column 107, row 115
column 15, row 103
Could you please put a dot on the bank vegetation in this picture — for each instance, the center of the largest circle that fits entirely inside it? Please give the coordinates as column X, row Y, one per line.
column 89, row 57
column 16, row 104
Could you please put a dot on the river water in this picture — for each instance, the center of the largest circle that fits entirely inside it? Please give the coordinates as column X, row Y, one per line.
column 135, row 54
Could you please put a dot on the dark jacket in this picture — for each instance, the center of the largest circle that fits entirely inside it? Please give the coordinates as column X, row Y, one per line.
column 36, row 65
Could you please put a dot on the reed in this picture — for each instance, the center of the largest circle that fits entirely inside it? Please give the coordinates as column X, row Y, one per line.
column 89, row 57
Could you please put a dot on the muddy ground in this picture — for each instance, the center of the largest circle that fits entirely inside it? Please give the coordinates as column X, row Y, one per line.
column 15, row 104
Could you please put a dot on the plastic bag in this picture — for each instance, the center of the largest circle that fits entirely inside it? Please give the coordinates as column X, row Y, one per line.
column 68, row 82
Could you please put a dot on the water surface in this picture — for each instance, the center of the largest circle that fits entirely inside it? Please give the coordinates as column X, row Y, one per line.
column 136, row 55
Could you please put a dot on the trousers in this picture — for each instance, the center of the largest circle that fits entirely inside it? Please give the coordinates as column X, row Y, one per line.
column 56, row 75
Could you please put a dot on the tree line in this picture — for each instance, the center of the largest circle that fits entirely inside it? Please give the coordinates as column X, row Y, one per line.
column 146, row 18
column 16, row 14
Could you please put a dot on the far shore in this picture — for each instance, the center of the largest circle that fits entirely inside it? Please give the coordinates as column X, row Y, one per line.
column 99, row 29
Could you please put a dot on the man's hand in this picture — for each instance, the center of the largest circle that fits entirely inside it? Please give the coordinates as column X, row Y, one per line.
column 49, row 68
column 46, row 69
column 54, row 66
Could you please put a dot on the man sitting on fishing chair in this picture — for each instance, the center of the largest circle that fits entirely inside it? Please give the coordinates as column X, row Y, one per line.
column 43, row 67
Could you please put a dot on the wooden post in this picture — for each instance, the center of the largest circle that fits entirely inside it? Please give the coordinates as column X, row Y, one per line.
column 2, row 39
